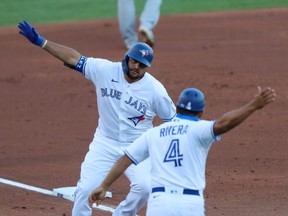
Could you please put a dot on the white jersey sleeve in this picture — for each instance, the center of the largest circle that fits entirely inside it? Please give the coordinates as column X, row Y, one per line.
column 164, row 106
column 94, row 67
column 139, row 150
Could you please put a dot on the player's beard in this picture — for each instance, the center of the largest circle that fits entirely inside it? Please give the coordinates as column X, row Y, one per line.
column 134, row 77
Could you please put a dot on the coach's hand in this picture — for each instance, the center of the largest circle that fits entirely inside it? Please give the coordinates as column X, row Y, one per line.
column 30, row 33
column 97, row 195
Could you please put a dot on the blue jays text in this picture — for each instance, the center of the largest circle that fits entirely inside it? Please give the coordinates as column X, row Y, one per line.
column 113, row 93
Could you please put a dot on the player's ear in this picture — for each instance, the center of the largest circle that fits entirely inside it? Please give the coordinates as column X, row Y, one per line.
column 125, row 67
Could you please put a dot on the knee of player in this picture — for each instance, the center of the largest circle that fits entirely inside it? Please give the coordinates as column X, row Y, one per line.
column 141, row 188
column 83, row 192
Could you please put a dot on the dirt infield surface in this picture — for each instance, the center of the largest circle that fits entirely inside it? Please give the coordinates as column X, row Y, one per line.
column 48, row 112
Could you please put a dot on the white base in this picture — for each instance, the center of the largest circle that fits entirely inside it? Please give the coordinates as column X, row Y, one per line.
column 68, row 193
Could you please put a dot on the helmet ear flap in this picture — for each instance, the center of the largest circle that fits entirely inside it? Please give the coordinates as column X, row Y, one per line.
column 125, row 67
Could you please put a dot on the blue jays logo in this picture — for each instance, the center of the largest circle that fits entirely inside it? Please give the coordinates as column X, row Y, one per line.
column 144, row 52
column 137, row 119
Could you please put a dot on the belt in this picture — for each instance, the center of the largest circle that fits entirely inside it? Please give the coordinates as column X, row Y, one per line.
column 184, row 191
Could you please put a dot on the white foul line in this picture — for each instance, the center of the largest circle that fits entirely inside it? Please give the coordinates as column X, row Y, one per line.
column 24, row 186
column 48, row 192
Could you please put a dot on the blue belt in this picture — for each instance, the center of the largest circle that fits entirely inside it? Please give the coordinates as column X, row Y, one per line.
column 185, row 191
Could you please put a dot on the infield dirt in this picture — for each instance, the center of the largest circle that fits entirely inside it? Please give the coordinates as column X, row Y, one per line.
column 48, row 112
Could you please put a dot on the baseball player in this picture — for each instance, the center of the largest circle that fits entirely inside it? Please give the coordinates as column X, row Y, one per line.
column 178, row 152
column 128, row 98
column 148, row 20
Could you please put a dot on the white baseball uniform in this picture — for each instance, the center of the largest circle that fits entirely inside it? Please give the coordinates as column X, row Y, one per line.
column 178, row 151
column 126, row 110
column 127, row 18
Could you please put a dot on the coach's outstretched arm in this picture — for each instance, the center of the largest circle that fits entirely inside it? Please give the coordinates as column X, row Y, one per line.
column 233, row 118
column 63, row 53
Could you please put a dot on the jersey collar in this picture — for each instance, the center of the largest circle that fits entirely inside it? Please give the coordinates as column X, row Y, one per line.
column 192, row 118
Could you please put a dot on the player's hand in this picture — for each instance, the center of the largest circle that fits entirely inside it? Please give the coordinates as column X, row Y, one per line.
column 30, row 33
column 264, row 97
column 97, row 195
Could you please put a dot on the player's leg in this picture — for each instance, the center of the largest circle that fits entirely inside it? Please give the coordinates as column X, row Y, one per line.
column 151, row 14
column 97, row 163
column 127, row 22
column 138, row 195
column 148, row 20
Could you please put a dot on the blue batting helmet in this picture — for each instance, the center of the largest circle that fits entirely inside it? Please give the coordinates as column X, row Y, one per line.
column 191, row 99
column 140, row 52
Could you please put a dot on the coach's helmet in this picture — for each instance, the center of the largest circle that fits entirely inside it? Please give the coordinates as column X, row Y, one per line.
column 191, row 99
column 140, row 52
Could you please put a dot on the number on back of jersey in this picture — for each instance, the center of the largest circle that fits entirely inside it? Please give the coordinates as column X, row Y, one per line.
column 173, row 153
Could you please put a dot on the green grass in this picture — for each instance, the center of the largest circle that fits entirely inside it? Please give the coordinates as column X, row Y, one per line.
column 45, row 11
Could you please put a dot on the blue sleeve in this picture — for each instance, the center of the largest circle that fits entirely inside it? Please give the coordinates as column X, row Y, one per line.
column 80, row 64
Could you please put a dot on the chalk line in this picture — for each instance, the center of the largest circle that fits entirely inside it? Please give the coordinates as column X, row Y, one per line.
column 48, row 192
column 27, row 187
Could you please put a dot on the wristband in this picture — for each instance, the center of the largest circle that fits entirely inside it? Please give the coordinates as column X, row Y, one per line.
column 44, row 44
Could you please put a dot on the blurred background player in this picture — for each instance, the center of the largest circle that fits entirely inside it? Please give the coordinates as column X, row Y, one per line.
column 148, row 20
column 178, row 151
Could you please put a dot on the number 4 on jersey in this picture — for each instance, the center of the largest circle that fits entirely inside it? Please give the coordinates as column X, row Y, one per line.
column 173, row 153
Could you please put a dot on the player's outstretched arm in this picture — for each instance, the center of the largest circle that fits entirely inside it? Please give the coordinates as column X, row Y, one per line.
column 233, row 118
column 65, row 54
column 117, row 170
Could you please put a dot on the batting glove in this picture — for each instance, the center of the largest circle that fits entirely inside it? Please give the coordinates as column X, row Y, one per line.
column 30, row 33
